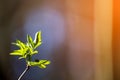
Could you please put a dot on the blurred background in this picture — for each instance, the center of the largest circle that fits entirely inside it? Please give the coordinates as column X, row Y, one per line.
column 80, row 38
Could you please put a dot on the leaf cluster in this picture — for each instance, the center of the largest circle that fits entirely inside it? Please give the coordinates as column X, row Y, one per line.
column 28, row 49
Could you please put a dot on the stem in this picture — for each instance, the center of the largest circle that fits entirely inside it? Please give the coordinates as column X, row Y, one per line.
column 23, row 73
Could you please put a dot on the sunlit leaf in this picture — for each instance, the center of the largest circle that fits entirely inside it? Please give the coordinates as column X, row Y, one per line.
column 17, row 53
column 42, row 66
column 37, row 40
column 21, row 57
column 34, row 63
column 20, row 44
column 20, row 52
column 34, row 52
column 30, row 41
column 43, row 63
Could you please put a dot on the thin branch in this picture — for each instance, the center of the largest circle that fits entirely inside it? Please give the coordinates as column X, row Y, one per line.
column 26, row 69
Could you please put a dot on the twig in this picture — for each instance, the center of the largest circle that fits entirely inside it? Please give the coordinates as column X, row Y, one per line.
column 26, row 69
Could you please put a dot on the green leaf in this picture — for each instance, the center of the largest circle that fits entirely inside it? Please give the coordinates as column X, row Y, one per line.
column 21, row 57
column 42, row 66
column 34, row 52
column 17, row 53
column 20, row 44
column 41, row 63
column 30, row 41
column 34, row 63
column 30, row 50
column 20, row 52
column 37, row 40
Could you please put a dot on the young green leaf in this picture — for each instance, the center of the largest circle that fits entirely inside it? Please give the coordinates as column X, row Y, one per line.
column 37, row 40
column 41, row 63
column 30, row 41
column 21, row 57
column 22, row 51
column 16, row 53
column 34, row 52
column 20, row 44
